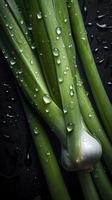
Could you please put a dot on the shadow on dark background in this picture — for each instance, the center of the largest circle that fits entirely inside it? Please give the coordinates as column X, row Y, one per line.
column 21, row 177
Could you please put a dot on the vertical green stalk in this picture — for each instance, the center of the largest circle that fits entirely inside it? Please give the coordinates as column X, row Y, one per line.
column 46, row 155
column 102, row 182
column 93, row 123
column 76, row 130
column 88, row 187
column 80, row 35
column 43, row 45
column 88, row 113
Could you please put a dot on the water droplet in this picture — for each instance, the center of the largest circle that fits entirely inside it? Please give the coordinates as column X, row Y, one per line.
column 7, row 24
column 85, row 9
column 39, row 15
column 31, row 62
column 101, row 61
column 21, row 80
column 36, row 89
column 65, row 110
column 90, row 115
column 10, row 116
column 70, row 46
column 70, row 127
column 6, row 56
column 109, row 83
column 20, row 72
column 10, row 107
column 58, row 61
column 106, row 47
column 48, row 153
column 13, row 99
column 100, row 16
column 58, row 30
column 6, row 136
column 45, row 16
column 71, row 90
column 30, row 28
column 71, row 93
column 36, row 132
column 35, row 95
column 60, row 79
column 70, row 34
column 10, row 27
column 6, row 5
column 96, row 50
column 89, row 23
column 47, row 99
column 65, row 20
column 47, row 110
column 56, row 52
column 77, row 160
column 21, row 50
column 102, row 26
column 65, row 72
column 12, row 35
column 21, row 22
column 33, row 46
column 12, row 62
column 83, row 38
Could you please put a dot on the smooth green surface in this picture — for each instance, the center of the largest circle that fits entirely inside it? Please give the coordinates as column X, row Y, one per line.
column 102, row 182
column 88, row 187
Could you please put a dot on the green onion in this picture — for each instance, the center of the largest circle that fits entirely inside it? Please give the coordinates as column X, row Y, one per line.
column 88, row 187
column 20, row 20
column 83, row 154
column 47, row 158
column 80, row 35
column 43, row 45
column 30, row 82
column 27, row 72
column 93, row 123
column 88, row 113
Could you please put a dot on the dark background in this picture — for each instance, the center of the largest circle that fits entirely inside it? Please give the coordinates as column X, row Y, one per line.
column 21, row 177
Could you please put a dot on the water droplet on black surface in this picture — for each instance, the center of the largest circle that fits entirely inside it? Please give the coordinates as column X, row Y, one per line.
column 28, row 161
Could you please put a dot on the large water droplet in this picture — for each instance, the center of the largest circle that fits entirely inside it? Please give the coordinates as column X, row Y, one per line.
column 70, row 127
column 12, row 62
column 58, row 30
column 47, row 99
column 101, row 26
column 36, row 132
column 39, row 15
column 56, row 52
